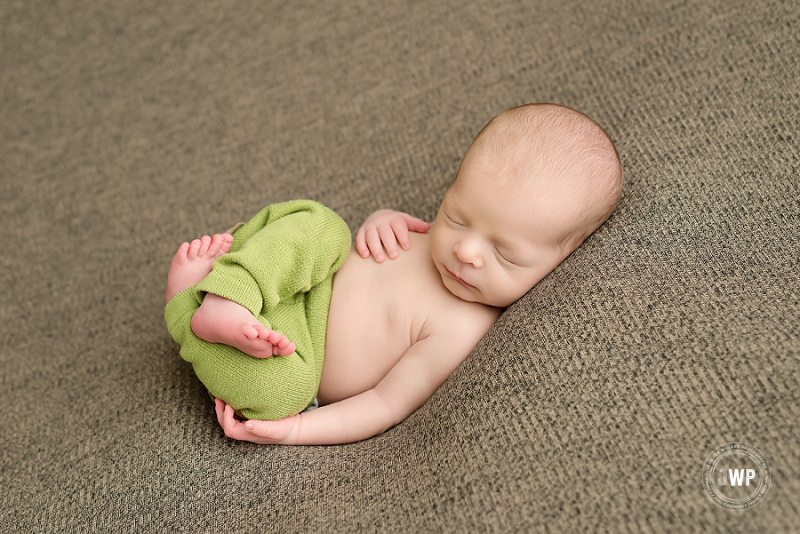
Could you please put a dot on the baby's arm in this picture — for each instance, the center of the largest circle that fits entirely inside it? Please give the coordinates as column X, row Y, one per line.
column 418, row 374
column 387, row 227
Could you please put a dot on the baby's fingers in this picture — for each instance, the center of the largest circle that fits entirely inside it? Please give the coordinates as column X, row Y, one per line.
column 389, row 240
column 219, row 407
column 416, row 225
column 400, row 229
column 368, row 241
column 229, row 421
column 374, row 244
column 265, row 429
column 271, row 431
column 226, row 419
column 361, row 243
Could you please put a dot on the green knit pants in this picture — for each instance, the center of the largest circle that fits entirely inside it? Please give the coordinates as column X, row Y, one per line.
column 280, row 267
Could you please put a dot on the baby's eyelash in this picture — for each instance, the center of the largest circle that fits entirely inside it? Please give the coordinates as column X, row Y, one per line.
column 453, row 220
column 504, row 257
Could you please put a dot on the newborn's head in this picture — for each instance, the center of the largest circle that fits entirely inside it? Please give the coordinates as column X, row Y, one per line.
column 537, row 180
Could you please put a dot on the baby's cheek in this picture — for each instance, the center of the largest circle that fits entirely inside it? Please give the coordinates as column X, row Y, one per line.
column 510, row 290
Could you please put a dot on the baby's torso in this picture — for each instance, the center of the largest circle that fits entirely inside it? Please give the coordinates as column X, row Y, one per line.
column 377, row 311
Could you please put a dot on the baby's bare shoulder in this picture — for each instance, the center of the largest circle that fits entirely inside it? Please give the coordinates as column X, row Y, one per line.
column 462, row 324
column 446, row 340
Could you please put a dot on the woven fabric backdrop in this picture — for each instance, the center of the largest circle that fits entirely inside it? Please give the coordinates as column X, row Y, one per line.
column 128, row 127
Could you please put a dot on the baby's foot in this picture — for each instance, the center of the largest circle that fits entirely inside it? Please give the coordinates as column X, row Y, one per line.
column 219, row 320
column 193, row 262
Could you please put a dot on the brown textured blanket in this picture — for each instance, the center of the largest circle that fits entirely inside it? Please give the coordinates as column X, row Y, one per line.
column 592, row 405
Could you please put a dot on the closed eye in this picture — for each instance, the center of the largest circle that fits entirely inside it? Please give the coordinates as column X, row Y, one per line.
column 453, row 220
column 503, row 257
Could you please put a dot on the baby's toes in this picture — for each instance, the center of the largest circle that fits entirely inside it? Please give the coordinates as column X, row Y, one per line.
column 250, row 331
column 285, row 347
column 260, row 333
column 220, row 244
column 227, row 242
column 205, row 242
column 282, row 342
column 194, row 248
column 273, row 337
column 183, row 253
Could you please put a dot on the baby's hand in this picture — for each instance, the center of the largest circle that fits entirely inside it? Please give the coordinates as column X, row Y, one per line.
column 387, row 227
column 263, row 432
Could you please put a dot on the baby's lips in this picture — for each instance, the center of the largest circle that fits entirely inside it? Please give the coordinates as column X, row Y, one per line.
column 455, row 277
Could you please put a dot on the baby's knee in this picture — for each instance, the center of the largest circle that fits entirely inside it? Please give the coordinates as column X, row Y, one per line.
column 265, row 389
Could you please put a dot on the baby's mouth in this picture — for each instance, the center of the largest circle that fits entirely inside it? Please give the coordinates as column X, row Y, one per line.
column 454, row 277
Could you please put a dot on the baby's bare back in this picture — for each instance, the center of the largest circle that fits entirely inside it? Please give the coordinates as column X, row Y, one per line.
column 379, row 310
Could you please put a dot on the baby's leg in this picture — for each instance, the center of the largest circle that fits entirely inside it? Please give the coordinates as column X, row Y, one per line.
column 219, row 320
column 193, row 262
column 285, row 250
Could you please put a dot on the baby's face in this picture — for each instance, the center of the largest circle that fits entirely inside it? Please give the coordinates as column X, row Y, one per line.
column 491, row 243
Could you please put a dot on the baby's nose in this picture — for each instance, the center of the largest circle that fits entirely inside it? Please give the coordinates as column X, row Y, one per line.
column 468, row 252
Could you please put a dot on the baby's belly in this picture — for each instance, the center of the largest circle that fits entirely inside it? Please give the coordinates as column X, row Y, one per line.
column 368, row 329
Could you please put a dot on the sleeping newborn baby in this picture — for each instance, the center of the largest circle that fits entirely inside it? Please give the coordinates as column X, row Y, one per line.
column 282, row 311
